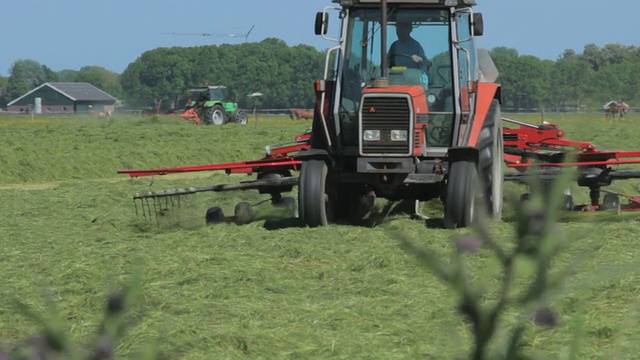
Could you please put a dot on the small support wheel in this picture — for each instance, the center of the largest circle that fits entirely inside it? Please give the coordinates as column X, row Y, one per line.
column 611, row 202
column 242, row 213
column 567, row 202
column 214, row 215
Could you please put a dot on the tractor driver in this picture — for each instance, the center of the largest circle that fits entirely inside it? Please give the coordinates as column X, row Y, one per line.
column 406, row 51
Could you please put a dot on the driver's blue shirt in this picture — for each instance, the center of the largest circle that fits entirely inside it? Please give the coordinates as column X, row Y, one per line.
column 400, row 53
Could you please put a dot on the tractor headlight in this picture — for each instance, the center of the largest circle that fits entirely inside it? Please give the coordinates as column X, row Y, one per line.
column 398, row 135
column 371, row 135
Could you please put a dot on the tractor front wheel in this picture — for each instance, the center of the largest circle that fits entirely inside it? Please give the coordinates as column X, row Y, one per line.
column 459, row 205
column 315, row 203
column 215, row 115
column 241, row 118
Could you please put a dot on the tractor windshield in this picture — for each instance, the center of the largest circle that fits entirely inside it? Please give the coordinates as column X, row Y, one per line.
column 418, row 53
column 217, row 93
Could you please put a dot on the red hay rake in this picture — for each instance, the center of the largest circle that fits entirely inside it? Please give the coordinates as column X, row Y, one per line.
column 274, row 178
column 545, row 148
column 535, row 152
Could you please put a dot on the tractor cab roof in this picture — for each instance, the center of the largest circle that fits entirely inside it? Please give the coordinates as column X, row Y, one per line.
column 202, row 89
column 454, row 3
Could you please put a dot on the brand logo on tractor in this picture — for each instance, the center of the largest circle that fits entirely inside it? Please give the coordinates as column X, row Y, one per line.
column 372, row 109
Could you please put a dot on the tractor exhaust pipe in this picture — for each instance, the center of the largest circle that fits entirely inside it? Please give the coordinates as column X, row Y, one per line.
column 383, row 40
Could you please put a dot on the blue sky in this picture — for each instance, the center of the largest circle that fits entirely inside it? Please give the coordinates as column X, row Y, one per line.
column 70, row 34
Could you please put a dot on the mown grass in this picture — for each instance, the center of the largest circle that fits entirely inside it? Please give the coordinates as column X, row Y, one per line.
column 267, row 290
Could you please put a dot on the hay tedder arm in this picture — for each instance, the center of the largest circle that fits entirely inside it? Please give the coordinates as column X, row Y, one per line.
column 278, row 156
column 273, row 172
column 539, row 151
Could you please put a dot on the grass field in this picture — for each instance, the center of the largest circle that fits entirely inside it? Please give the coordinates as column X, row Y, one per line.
column 266, row 290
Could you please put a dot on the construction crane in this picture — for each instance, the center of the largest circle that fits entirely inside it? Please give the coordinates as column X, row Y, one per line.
column 233, row 35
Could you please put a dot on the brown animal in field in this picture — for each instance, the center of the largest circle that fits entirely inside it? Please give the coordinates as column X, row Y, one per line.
column 301, row 113
column 613, row 108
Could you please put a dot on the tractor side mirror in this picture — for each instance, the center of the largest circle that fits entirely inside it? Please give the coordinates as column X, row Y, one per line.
column 478, row 24
column 322, row 23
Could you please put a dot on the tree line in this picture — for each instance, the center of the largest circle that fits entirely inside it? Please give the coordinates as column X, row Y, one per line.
column 285, row 76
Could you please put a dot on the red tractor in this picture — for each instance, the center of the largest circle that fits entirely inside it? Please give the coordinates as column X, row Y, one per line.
column 421, row 123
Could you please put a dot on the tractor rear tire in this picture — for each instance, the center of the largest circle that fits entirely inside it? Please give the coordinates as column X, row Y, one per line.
column 315, row 204
column 491, row 152
column 242, row 213
column 215, row 115
column 459, row 207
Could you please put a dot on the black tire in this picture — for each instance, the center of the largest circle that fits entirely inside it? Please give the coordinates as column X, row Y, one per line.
column 611, row 202
column 241, row 118
column 459, row 206
column 490, row 162
column 214, row 215
column 242, row 213
column 567, row 202
column 215, row 115
column 314, row 200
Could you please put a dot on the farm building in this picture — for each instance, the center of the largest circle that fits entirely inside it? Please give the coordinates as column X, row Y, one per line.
column 64, row 98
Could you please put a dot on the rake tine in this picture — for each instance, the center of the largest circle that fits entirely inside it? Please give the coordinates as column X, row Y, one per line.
column 148, row 207
column 155, row 210
column 135, row 206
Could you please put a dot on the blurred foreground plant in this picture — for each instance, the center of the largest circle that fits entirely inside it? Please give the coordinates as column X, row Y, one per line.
column 535, row 241
column 53, row 341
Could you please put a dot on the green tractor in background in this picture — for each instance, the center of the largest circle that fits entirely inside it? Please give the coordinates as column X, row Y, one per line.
column 212, row 106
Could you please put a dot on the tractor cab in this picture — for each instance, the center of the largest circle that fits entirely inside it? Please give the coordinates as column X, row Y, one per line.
column 373, row 49
column 203, row 94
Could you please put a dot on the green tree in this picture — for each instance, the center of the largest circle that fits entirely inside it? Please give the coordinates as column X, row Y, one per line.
column 530, row 82
column 158, row 75
column 101, row 78
column 67, row 75
column 16, row 85
column 571, row 82
column 4, row 82
column 503, row 50
column 593, row 56
column 49, row 75
column 505, row 60
column 284, row 74
column 32, row 72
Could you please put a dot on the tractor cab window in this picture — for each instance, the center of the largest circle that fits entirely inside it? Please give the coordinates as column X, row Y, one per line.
column 418, row 53
column 217, row 94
